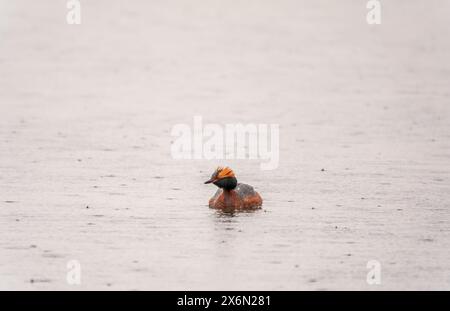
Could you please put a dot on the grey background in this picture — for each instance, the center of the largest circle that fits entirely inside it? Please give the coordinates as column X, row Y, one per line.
column 86, row 114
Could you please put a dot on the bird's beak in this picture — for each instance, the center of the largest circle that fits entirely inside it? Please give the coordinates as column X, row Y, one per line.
column 210, row 181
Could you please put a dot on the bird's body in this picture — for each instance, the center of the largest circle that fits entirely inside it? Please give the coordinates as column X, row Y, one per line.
column 232, row 195
column 242, row 197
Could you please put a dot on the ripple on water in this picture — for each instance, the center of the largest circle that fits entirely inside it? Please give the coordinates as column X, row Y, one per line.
column 52, row 255
column 40, row 280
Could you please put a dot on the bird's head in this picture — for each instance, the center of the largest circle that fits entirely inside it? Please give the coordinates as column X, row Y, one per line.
column 223, row 177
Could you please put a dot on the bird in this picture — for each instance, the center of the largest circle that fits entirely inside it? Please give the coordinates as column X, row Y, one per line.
column 232, row 195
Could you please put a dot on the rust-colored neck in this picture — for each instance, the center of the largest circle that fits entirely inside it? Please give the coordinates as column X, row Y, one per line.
column 228, row 198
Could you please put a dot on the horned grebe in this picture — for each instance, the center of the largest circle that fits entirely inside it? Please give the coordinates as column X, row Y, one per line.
column 232, row 195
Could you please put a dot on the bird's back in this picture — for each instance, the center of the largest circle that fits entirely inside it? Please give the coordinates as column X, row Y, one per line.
column 250, row 198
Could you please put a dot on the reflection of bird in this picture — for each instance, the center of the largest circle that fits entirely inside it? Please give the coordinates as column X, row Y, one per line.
column 232, row 195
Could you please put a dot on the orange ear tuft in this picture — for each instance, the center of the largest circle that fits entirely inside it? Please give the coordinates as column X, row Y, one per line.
column 225, row 172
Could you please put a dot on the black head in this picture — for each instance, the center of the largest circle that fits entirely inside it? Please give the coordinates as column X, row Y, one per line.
column 223, row 178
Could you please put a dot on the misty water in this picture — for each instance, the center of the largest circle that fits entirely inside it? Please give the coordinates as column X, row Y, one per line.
column 86, row 172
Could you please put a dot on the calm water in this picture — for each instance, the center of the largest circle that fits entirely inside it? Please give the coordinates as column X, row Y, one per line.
column 85, row 166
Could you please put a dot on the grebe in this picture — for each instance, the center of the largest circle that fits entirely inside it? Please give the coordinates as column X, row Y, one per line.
column 232, row 195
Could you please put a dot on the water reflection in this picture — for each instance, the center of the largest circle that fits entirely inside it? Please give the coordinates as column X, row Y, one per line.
column 227, row 223
column 221, row 214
